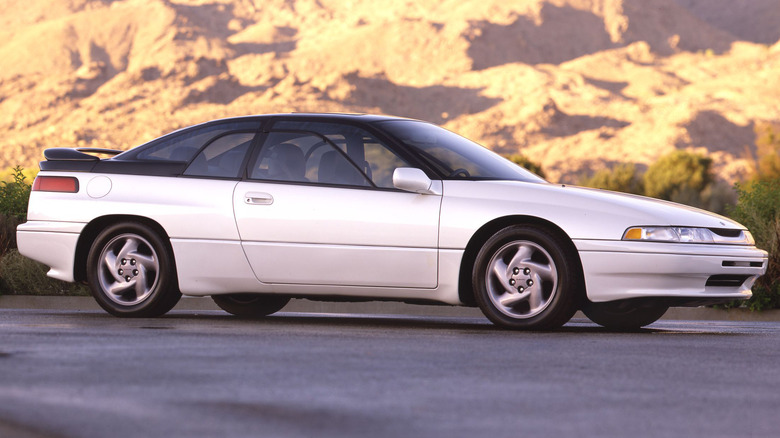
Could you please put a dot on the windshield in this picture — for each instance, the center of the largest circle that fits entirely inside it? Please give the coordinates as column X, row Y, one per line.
column 453, row 156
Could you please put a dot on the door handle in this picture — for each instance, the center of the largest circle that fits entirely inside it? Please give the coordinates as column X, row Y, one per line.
column 258, row 198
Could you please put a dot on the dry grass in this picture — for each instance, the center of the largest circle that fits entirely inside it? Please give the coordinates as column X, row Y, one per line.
column 22, row 276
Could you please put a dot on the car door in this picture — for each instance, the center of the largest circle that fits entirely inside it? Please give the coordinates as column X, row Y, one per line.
column 319, row 208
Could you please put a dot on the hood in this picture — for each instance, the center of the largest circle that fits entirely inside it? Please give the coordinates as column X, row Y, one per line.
column 581, row 212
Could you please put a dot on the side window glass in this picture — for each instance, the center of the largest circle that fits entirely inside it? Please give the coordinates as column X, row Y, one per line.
column 382, row 162
column 304, row 157
column 373, row 158
column 222, row 157
column 183, row 146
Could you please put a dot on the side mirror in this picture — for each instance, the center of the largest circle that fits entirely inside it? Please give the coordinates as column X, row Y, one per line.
column 412, row 180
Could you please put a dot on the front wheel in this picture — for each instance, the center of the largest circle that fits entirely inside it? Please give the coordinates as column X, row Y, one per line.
column 525, row 277
column 131, row 272
column 624, row 315
column 250, row 305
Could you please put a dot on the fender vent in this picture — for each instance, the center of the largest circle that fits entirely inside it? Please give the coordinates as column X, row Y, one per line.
column 727, row 280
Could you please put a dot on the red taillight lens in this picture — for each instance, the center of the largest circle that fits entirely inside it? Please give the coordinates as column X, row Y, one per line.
column 66, row 184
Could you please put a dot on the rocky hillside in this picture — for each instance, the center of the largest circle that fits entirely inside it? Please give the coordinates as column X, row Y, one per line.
column 573, row 84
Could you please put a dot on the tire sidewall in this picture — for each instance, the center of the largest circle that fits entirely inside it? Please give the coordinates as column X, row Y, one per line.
column 166, row 287
column 564, row 302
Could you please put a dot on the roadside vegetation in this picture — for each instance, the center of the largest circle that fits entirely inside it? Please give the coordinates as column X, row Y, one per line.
column 759, row 210
column 18, row 274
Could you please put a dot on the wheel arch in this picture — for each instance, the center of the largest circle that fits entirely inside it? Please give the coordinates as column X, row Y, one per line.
column 94, row 227
column 465, row 292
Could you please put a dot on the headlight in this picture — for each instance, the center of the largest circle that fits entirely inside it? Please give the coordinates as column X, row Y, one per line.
column 669, row 234
column 689, row 235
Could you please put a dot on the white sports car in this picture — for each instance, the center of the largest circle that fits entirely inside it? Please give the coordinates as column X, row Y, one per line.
column 256, row 210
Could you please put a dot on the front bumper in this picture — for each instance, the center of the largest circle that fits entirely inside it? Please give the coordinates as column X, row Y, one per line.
column 684, row 273
column 51, row 243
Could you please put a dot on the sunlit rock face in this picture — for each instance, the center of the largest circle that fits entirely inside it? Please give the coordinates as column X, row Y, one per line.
column 575, row 85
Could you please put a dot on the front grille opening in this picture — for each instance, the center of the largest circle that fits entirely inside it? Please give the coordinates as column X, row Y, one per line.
column 727, row 232
column 726, row 280
column 743, row 264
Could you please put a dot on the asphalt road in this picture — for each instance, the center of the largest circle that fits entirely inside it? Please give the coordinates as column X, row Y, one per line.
column 87, row 374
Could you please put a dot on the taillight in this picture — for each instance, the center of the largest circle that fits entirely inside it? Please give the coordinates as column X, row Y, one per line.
column 66, row 184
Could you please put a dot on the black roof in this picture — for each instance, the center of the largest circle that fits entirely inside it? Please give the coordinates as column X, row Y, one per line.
column 358, row 117
column 70, row 159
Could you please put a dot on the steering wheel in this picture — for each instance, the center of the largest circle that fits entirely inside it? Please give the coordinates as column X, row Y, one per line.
column 460, row 171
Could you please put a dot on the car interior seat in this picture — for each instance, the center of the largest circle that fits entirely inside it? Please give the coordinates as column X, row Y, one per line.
column 335, row 169
column 286, row 162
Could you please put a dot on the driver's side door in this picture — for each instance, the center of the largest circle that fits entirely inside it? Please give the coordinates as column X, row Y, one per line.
column 310, row 214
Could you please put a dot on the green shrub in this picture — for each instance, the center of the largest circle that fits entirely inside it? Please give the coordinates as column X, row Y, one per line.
column 678, row 175
column 717, row 197
column 15, row 194
column 8, row 233
column 524, row 162
column 621, row 178
column 758, row 209
column 22, row 276
column 685, row 177
column 9, row 174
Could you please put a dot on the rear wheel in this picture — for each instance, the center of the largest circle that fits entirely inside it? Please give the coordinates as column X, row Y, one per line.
column 250, row 305
column 624, row 315
column 131, row 273
column 525, row 278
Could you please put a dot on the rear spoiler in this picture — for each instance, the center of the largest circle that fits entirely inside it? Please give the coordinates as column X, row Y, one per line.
column 78, row 159
column 77, row 154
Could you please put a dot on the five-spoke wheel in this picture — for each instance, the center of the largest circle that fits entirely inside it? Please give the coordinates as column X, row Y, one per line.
column 130, row 271
column 129, row 268
column 522, row 279
column 525, row 277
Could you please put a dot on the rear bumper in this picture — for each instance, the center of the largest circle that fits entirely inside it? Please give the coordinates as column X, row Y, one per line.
column 683, row 273
column 51, row 243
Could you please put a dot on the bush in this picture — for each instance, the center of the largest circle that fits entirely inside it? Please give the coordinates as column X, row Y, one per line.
column 686, row 178
column 14, row 195
column 22, row 276
column 621, row 178
column 759, row 210
column 678, row 175
column 8, row 233
column 524, row 162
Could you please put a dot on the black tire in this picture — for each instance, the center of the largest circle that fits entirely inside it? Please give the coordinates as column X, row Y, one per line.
column 251, row 305
column 131, row 271
column 624, row 315
column 525, row 277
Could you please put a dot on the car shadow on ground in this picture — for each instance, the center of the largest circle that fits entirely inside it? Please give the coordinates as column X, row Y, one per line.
column 321, row 321
column 416, row 322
